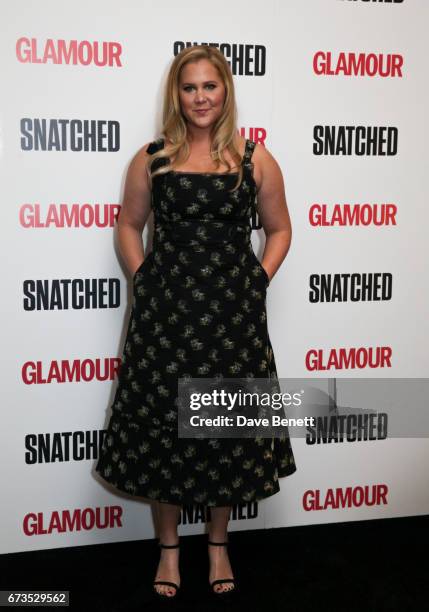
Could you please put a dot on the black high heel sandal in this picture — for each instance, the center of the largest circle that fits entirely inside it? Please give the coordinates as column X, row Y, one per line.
column 162, row 596
column 228, row 594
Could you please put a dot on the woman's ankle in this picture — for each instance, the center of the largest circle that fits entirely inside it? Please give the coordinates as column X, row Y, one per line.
column 168, row 539
column 218, row 537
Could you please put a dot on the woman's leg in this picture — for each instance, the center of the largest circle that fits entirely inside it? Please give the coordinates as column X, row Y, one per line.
column 220, row 566
column 168, row 567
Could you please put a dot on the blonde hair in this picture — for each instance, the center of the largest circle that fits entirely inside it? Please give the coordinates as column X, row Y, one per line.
column 174, row 127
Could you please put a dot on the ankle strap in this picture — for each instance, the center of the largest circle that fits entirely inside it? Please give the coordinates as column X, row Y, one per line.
column 168, row 545
column 218, row 543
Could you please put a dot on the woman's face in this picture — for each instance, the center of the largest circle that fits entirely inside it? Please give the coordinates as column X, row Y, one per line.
column 201, row 93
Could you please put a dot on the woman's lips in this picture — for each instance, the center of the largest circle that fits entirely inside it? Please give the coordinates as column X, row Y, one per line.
column 202, row 111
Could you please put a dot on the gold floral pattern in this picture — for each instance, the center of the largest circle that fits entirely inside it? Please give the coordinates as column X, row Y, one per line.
column 198, row 310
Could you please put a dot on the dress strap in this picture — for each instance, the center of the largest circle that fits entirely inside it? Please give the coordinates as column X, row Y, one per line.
column 155, row 145
column 248, row 152
column 248, row 166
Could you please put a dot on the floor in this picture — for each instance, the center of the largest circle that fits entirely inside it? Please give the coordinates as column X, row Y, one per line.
column 370, row 566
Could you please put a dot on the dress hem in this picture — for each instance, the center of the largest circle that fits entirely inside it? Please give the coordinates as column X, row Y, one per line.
column 189, row 502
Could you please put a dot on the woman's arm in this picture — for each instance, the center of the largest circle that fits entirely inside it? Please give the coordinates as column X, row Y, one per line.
column 272, row 209
column 135, row 209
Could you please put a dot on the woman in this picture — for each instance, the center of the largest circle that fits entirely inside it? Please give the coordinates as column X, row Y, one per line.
column 198, row 310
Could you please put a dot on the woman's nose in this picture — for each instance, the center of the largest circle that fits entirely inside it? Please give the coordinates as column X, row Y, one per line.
column 200, row 96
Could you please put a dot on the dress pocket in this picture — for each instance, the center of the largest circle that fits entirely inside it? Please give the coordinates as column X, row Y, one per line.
column 142, row 267
column 261, row 267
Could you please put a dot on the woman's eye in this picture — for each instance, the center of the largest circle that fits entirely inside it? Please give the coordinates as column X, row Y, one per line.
column 189, row 87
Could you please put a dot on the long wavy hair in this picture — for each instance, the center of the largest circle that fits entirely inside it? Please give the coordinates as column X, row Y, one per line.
column 174, row 128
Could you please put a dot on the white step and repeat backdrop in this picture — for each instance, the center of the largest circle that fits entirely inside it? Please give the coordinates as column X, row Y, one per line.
column 337, row 91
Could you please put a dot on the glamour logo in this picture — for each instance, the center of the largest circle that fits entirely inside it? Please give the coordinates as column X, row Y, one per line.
column 255, row 134
column 60, row 446
column 358, row 64
column 352, row 215
column 71, row 293
column 345, row 497
column 244, row 59
column 353, row 287
column 348, row 358
column 74, row 52
column 65, row 371
column 80, row 519
column 355, row 140
column 69, row 135
column 68, row 215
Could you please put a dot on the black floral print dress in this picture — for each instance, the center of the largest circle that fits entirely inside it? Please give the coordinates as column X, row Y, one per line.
column 198, row 311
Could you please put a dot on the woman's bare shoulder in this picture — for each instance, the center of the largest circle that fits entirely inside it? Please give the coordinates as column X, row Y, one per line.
column 140, row 158
column 146, row 150
column 264, row 159
column 266, row 168
column 137, row 173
